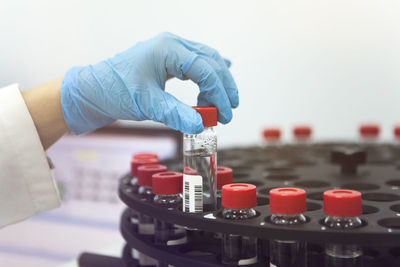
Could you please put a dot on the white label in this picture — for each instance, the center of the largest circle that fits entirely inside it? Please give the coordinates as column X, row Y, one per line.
column 192, row 193
column 247, row 261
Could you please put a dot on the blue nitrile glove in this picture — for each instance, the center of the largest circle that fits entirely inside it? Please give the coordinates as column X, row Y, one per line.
column 131, row 85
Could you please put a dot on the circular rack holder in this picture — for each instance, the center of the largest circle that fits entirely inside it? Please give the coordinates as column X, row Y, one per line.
column 371, row 169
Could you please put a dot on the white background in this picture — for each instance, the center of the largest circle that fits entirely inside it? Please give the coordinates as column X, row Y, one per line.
column 332, row 64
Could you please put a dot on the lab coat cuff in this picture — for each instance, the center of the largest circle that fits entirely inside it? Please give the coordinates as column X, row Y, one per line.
column 27, row 185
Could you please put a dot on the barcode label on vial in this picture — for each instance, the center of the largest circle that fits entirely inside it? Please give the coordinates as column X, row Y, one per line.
column 192, row 193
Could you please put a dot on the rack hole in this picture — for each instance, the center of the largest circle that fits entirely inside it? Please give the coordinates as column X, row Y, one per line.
column 392, row 223
column 395, row 252
column 316, row 196
column 265, row 190
column 278, row 169
column 313, row 206
column 369, row 209
column 380, row 197
column 360, row 186
column 370, row 254
column 281, row 177
column 312, row 184
column 395, row 184
column 254, row 182
column 395, row 208
column 261, row 200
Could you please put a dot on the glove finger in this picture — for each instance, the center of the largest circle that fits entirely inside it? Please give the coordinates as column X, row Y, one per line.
column 222, row 69
column 212, row 91
column 163, row 107
column 228, row 62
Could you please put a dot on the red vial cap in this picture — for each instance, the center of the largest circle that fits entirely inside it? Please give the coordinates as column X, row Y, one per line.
column 189, row 171
column 224, row 176
column 239, row 196
column 302, row 132
column 287, row 200
column 272, row 134
column 145, row 173
column 167, row 183
column 342, row 203
column 396, row 132
column 209, row 115
column 145, row 156
column 135, row 163
column 369, row 130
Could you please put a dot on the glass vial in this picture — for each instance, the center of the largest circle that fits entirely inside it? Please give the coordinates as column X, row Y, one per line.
column 343, row 208
column 146, row 223
column 167, row 187
column 138, row 160
column 302, row 134
column 224, row 176
column 271, row 137
column 200, row 156
column 238, row 201
column 287, row 206
column 369, row 133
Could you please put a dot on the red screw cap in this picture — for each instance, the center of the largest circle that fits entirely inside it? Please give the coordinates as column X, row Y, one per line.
column 272, row 134
column 145, row 156
column 167, row 183
column 189, row 171
column 287, row 200
column 369, row 130
column 224, row 176
column 396, row 132
column 342, row 203
column 302, row 132
column 145, row 173
column 135, row 163
column 239, row 196
column 209, row 115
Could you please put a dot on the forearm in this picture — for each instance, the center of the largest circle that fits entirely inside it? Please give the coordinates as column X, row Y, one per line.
column 44, row 105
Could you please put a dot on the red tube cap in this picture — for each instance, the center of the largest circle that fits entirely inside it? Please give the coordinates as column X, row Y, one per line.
column 287, row 200
column 239, row 196
column 135, row 163
column 167, row 183
column 369, row 130
column 145, row 173
column 209, row 115
column 302, row 132
column 189, row 171
column 342, row 203
column 224, row 176
column 396, row 132
column 145, row 156
column 272, row 134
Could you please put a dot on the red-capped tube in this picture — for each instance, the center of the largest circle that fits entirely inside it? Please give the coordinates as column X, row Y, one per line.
column 239, row 196
column 135, row 163
column 167, row 183
column 209, row 115
column 145, row 173
column 287, row 200
column 342, row 203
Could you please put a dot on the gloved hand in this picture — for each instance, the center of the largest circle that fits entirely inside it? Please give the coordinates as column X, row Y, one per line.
column 131, row 85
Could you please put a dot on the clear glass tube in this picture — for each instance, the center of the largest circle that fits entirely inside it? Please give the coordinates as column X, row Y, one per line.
column 146, row 225
column 348, row 255
column 287, row 253
column 237, row 249
column 200, row 156
column 169, row 234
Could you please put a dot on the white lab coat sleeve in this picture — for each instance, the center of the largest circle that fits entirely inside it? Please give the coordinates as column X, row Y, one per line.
column 27, row 186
